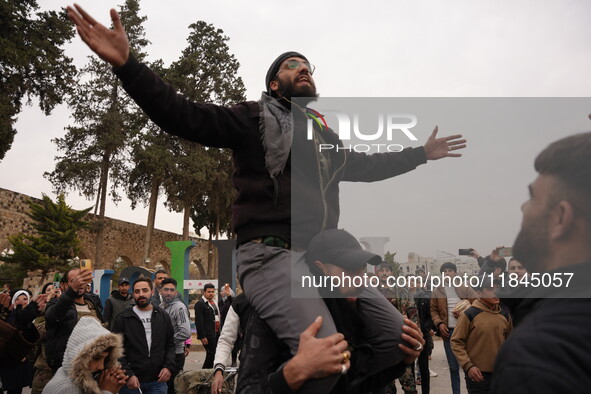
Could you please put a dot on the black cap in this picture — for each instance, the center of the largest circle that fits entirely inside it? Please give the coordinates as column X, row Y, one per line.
column 340, row 248
column 448, row 265
column 276, row 64
column 123, row 280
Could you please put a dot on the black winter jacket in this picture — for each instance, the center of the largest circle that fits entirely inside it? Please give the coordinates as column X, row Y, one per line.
column 422, row 299
column 60, row 319
column 549, row 350
column 205, row 320
column 263, row 206
column 138, row 360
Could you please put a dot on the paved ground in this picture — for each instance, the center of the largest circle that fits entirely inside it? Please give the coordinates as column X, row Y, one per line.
column 439, row 385
column 442, row 384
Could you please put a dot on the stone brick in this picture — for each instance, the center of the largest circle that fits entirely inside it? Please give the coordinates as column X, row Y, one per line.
column 121, row 239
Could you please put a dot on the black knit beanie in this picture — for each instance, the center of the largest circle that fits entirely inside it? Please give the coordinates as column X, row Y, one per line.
column 277, row 63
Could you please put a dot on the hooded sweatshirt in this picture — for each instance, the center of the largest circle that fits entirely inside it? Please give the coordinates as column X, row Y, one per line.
column 116, row 304
column 478, row 335
column 87, row 340
column 179, row 317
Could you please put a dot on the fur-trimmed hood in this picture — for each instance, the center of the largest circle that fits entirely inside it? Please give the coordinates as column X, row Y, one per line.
column 88, row 339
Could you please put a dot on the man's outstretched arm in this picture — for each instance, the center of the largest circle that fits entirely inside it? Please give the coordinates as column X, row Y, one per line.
column 110, row 45
column 362, row 167
column 438, row 148
column 207, row 124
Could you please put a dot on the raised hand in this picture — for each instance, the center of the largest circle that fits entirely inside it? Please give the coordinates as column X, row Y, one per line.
column 4, row 305
column 41, row 301
column 5, row 299
column 79, row 281
column 438, row 148
column 110, row 45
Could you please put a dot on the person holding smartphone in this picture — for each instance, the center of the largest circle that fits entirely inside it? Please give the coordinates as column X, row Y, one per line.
column 63, row 313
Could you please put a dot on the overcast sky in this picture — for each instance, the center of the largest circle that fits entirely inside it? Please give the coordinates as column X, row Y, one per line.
column 387, row 49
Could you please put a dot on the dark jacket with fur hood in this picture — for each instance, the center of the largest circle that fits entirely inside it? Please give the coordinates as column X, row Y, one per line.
column 88, row 340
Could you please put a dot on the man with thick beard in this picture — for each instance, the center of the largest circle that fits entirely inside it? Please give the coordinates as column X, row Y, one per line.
column 551, row 342
column 148, row 340
column 265, row 136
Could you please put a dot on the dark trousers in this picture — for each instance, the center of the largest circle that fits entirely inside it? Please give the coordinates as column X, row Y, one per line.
column 272, row 280
column 479, row 387
column 452, row 362
column 423, row 362
column 179, row 363
column 212, row 343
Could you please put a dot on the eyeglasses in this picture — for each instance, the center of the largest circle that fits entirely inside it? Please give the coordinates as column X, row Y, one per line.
column 293, row 64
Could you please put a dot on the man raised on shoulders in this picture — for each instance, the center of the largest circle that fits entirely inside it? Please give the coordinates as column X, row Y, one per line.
column 262, row 136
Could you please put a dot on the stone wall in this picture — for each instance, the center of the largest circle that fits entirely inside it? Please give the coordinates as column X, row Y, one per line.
column 121, row 239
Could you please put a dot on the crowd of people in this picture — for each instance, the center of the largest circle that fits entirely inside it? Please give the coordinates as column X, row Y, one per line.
column 138, row 342
column 349, row 339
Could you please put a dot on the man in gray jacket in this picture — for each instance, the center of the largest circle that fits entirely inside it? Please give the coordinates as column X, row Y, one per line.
column 119, row 300
column 179, row 316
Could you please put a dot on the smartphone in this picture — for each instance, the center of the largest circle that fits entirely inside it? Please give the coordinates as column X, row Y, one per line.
column 505, row 252
column 56, row 285
column 465, row 252
column 86, row 264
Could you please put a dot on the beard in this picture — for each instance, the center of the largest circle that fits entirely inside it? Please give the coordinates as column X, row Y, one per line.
column 531, row 245
column 288, row 89
column 168, row 298
column 142, row 302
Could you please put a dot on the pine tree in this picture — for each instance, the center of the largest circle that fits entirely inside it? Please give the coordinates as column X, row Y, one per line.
column 153, row 157
column 32, row 62
column 95, row 157
column 206, row 72
column 389, row 258
column 54, row 241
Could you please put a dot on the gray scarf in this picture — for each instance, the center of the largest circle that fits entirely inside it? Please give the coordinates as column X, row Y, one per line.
column 276, row 128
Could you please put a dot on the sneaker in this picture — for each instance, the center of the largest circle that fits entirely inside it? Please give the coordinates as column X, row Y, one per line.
column 432, row 373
